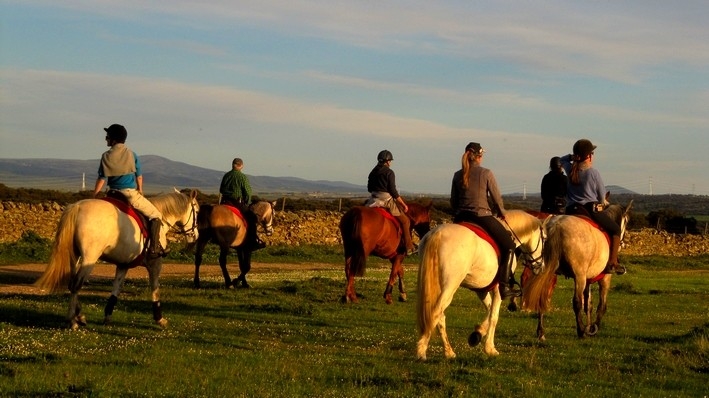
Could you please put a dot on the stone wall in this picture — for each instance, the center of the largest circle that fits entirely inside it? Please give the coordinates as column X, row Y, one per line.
column 321, row 227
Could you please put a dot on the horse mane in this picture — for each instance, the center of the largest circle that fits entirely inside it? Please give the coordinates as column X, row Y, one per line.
column 522, row 222
column 615, row 212
column 171, row 204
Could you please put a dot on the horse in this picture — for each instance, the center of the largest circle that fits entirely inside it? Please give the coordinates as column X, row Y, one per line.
column 576, row 249
column 373, row 231
column 220, row 225
column 453, row 255
column 95, row 229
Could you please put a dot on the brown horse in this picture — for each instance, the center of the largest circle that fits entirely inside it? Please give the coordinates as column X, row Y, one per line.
column 365, row 231
column 220, row 225
column 576, row 249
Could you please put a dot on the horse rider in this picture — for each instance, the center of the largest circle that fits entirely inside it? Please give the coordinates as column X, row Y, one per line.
column 554, row 185
column 120, row 169
column 470, row 189
column 235, row 190
column 381, row 184
column 586, row 196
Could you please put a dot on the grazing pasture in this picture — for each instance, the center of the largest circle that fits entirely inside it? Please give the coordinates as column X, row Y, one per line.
column 289, row 336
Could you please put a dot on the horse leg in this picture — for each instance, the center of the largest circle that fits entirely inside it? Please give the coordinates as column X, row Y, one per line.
column 486, row 330
column 154, row 267
column 588, row 310
column 395, row 265
column 579, row 305
column 603, row 288
column 199, row 249
column 113, row 299
column 244, row 267
column 402, row 289
column 223, row 254
column 350, row 294
column 540, row 327
column 75, row 318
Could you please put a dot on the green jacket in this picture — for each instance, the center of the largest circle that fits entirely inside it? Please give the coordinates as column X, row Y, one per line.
column 235, row 185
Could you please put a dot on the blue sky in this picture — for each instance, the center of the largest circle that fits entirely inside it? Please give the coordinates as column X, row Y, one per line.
column 315, row 89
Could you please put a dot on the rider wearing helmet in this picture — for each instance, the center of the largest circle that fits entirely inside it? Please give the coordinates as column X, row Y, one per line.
column 471, row 187
column 381, row 184
column 554, row 188
column 587, row 194
column 120, row 169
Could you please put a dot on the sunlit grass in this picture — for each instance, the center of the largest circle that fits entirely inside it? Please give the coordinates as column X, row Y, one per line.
column 289, row 335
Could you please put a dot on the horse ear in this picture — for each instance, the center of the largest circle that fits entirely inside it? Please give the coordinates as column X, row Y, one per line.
column 630, row 205
column 176, row 190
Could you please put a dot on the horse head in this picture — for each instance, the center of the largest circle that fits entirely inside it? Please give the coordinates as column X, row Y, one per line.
column 265, row 213
column 420, row 216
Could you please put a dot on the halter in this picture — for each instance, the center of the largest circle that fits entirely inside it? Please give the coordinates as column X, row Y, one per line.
column 536, row 264
column 269, row 222
column 182, row 230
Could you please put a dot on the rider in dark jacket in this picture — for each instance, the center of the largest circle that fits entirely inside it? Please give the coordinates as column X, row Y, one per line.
column 381, row 184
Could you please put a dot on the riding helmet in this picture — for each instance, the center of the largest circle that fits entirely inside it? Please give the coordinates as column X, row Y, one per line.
column 583, row 148
column 116, row 132
column 384, row 156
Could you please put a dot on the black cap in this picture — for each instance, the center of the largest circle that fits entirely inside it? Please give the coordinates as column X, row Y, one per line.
column 475, row 147
column 116, row 132
column 583, row 148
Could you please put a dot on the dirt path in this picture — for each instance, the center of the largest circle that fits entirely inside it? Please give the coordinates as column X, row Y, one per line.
column 18, row 278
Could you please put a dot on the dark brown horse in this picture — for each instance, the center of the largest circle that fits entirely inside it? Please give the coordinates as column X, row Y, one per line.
column 219, row 224
column 367, row 231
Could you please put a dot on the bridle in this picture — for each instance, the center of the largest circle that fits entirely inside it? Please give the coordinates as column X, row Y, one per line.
column 190, row 233
column 536, row 264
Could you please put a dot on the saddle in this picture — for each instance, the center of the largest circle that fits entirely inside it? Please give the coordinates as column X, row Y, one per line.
column 386, row 214
column 119, row 200
column 582, row 213
column 236, row 212
column 479, row 231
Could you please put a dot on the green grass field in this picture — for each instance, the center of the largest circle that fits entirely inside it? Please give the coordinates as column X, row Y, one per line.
column 289, row 336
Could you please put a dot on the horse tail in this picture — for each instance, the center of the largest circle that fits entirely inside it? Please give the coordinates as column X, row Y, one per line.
column 63, row 255
column 536, row 294
column 429, row 286
column 350, row 227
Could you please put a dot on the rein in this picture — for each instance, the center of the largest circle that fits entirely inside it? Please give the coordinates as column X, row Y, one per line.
column 534, row 263
column 182, row 230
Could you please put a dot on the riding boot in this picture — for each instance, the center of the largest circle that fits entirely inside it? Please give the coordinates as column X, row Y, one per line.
column 506, row 277
column 613, row 263
column 251, row 237
column 406, row 233
column 154, row 249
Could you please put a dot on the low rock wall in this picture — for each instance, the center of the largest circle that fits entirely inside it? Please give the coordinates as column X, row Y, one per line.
column 321, row 227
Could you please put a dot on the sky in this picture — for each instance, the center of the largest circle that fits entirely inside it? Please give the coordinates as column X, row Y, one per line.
column 315, row 89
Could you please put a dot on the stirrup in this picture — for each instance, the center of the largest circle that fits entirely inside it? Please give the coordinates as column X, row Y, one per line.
column 615, row 269
column 509, row 292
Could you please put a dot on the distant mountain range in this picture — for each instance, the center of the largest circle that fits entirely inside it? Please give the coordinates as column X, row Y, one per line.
column 160, row 175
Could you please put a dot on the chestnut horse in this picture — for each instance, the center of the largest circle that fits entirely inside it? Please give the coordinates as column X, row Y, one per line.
column 93, row 229
column 219, row 224
column 367, row 231
column 454, row 256
column 576, row 249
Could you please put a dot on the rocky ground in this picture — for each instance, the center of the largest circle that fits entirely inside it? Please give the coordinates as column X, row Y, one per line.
column 321, row 227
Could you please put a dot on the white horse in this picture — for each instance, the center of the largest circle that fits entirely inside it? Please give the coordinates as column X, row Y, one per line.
column 93, row 229
column 452, row 255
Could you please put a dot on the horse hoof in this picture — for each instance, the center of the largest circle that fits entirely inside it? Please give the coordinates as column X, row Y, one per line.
column 512, row 307
column 387, row 299
column 107, row 321
column 81, row 320
column 592, row 330
column 403, row 298
column 475, row 338
column 162, row 322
